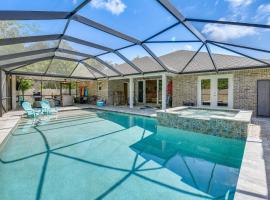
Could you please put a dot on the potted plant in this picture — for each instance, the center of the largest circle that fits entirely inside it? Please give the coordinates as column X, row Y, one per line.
column 25, row 84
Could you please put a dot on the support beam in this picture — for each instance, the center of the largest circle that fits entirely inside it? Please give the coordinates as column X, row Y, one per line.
column 131, row 92
column 27, row 53
column 74, row 53
column 129, row 62
column 74, row 69
column 26, row 62
column 86, row 43
column 162, row 31
column 191, row 59
column 32, row 15
column 171, row 9
column 105, row 29
column 65, row 58
column 13, row 92
column 70, row 16
column 170, row 41
column 109, row 66
column 94, row 69
column 228, row 23
column 18, row 40
column 238, row 46
column 49, row 75
column 210, row 55
column 164, row 92
column 156, row 58
column 236, row 52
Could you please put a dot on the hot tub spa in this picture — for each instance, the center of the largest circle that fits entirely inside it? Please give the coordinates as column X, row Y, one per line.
column 224, row 123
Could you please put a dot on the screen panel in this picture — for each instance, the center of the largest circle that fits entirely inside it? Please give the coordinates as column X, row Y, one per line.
column 68, row 55
column 246, row 11
column 82, row 71
column 177, row 33
column 25, row 58
column 264, row 56
column 201, row 62
column 61, row 67
column 81, row 31
column 175, row 56
column 225, row 59
column 44, row 5
column 118, row 63
column 238, row 35
column 129, row 17
column 80, row 48
column 39, row 67
column 139, row 56
column 25, row 47
column 100, row 67
column 26, row 28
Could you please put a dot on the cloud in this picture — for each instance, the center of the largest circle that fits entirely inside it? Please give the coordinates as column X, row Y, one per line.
column 268, row 21
column 220, row 32
column 116, row 7
column 188, row 47
column 264, row 9
column 239, row 3
column 263, row 13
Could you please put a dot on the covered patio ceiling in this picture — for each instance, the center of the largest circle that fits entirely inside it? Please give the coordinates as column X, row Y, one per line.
column 112, row 38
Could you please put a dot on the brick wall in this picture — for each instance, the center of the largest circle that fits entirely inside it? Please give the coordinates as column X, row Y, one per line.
column 245, row 87
column 184, row 89
column 106, row 89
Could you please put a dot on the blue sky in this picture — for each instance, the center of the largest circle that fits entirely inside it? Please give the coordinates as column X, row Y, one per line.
column 143, row 18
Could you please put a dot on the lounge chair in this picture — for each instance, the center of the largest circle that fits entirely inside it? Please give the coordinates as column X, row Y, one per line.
column 29, row 110
column 46, row 107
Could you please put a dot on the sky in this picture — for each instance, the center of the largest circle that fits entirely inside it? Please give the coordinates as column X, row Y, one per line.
column 143, row 18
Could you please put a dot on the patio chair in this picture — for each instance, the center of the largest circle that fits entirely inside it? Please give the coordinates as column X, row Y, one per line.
column 29, row 110
column 46, row 107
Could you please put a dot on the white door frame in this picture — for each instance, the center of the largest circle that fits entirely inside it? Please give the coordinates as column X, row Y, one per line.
column 214, row 90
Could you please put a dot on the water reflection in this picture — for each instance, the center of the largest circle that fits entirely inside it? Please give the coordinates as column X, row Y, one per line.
column 209, row 163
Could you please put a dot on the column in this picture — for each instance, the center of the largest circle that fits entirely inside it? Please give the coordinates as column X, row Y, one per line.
column 131, row 92
column 164, row 91
column 13, row 92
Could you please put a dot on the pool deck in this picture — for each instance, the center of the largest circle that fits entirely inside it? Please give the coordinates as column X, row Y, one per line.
column 254, row 179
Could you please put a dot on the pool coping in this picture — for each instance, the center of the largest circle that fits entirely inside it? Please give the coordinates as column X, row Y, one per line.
column 252, row 181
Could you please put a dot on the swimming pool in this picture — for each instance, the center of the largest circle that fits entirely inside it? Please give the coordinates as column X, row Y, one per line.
column 106, row 155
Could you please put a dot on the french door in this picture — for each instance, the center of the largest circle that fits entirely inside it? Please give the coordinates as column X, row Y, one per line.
column 215, row 91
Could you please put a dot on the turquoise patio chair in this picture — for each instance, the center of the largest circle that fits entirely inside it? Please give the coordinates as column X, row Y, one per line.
column 29, row 110
column 46, row 108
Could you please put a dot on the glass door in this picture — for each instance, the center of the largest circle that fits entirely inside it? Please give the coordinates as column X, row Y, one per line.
column 223, row 92
column 140, row 91
column 215, row 91
column 205, row 92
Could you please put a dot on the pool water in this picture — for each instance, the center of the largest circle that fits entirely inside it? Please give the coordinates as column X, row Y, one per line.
column 205, row 113
column 105, row 155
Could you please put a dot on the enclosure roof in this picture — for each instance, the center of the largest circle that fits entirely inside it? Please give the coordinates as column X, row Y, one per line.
column 110, row 38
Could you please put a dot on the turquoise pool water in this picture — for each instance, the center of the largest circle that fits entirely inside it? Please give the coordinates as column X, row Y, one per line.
column 105, row 155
